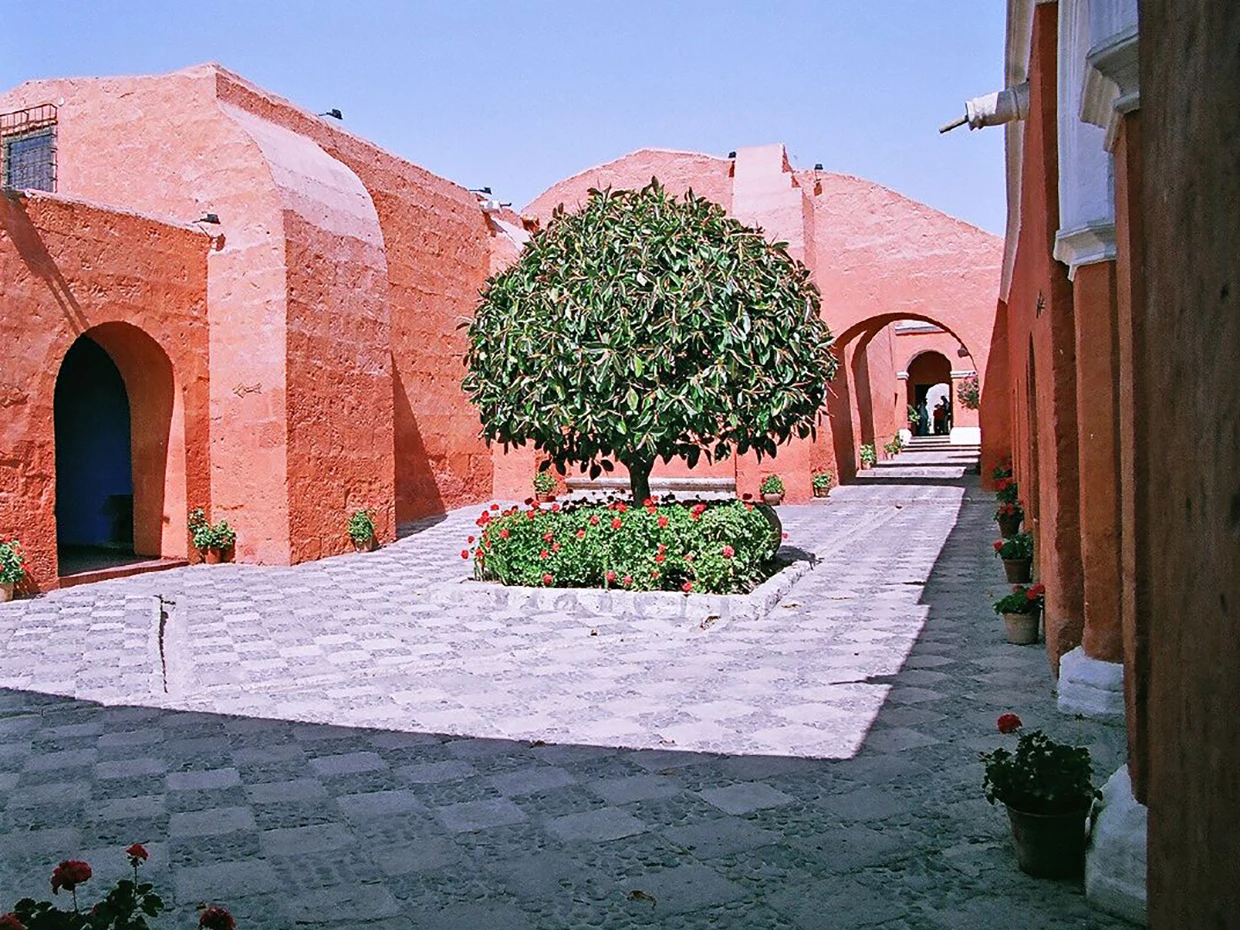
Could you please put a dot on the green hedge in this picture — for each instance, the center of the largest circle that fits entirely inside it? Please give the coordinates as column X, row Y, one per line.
column 717, row 548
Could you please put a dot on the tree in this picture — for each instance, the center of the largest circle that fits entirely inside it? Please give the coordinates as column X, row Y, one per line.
column 643, row 326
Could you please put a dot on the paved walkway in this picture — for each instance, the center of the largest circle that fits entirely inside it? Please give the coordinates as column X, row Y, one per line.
column 357, row 742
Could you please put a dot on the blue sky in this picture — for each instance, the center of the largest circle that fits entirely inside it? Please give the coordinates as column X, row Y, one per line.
column 519, row 94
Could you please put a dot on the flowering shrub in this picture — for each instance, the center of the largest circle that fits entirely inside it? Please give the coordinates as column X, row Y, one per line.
column 716, row 547
column 1024, row 599
column 1042, row 776
column 1019, row 546
column 822, row 480
column 125, row 907
column 1002, row 470
column 970, row 393
column 1006, row 490
column 1009, row 510
column 209, row 535
column 12, row 562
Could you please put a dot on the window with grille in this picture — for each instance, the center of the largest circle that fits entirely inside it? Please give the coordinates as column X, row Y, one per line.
column 28, row 149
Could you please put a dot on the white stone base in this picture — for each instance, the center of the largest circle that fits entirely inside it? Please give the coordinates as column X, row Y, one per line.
column 1091, row 687
column 966, row 436
column 906, row 436
column 1115, row 863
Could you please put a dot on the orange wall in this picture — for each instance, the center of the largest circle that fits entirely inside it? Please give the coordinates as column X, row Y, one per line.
column 138, row 287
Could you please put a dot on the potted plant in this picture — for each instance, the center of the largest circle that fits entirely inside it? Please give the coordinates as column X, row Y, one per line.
column 214, row 541
column 914, row 419
column 1048, row 790
column 892, row 449
column 1021, row 610
column 822, row 483
column 544, row 485
column 1017, row 555
column 12, row 568
column 772, row 489
column 868, row 455
column 1009, row 517
column 362, row 530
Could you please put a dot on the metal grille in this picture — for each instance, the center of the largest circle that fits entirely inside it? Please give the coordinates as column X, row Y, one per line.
column 28, row 148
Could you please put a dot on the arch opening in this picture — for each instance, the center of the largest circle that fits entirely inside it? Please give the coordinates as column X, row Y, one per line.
column 929, row 392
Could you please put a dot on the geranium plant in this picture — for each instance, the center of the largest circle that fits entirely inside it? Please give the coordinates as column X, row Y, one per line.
column 544, row 482
column 1041, row 776
column 645, row 326
column 822, row 480
column 207, row 535
column 868, row 455
column 12, row 562
column 1009, row 511
column 970, row 393
column 362, row 525
column 1006, row 490
column 1002, row 470
column 716, row 547
column 1019, row 546
column 772, row 484
column 1023, row 599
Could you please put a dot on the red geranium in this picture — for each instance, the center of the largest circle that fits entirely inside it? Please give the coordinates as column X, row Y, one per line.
column 617, row 523
column 593, row 519
column 998, row 544
column 216, row 918
column 662, row 521
column 1033, row 592
column 69, row 874
column 687, row 587
column 495, row 506
column 1009, row 723
column 464, row 553
column 503, row 534
column 547, row 578
column 137, row 852
column 544, row 554
column 548, row 536
column 728, row 552
column 611, row 577
column 627, row 580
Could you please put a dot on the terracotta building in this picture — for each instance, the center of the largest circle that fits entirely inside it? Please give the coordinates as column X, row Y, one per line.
column 212, row 298
column 1112, row 385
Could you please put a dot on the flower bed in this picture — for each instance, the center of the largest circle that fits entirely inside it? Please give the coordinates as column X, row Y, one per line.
column 717, row 547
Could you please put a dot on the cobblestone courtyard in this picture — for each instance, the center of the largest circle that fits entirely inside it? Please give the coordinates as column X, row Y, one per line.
column 361, row 741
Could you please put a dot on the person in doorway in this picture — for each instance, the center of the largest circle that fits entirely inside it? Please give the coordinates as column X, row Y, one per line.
column 923, row 419
column 940, row 417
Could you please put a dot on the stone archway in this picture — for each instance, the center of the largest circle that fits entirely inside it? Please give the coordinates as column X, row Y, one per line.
column 928, row 383
column 117, row 407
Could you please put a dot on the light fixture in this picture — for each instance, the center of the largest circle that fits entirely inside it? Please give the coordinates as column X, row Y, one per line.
column 731, row 154
column 818, row 166
column 333, row 113
column 212, row 218
column 480, row 190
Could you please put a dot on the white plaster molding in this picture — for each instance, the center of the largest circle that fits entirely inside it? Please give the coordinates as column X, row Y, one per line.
column 1086, row 186
column 1086, row 245
column 958, row 373
column 1113, row 82
column 901, row 375
column 966, row 436
column 1015, row 71
column 1115, row 863
column 1091, row 687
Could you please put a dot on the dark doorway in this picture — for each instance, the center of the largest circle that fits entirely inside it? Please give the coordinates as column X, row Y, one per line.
column 94, row 468
column 930, row 388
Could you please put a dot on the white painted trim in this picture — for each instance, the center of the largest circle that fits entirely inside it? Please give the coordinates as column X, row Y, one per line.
column 901, row 375
column 966, row 436
column 1115, row 863
column 1091, row 687
column 963, row 373
column 1086, row 245
column 1016, row 71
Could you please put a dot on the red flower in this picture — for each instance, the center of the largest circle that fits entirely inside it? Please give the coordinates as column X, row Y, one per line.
column 594, row 519
column 216, row 918
column 555, row 547
column 470, row 539
column 555, row 508
column 69, row 874
column 581, row 534
column 9, row 921
column 749, row 506
column 1009, row 723
column 503, row 534
column 464, row 553
column 137, row 852
column 998, row 544
column 785, row 535
column 547, row 578
column 687, row 587
column 648, row 502
column 621, row 506
column 655, row 573
column 627, row 580
column 1035, row 592
column 728, row 552
column 617, row 523
column 689, row 557
column 662, row 521
column 547, row 537
column 481, row 556
column 544, row 554
column 495, row 506
column 660, row 557
column 611, row 577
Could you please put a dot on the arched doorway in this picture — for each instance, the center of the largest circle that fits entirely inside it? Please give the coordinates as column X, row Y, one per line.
column 120, row 452
column 94, row 466
column 929, row 387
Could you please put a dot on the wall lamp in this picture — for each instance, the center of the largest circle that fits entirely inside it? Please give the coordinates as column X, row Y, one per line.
column 333, row 113
column 480, row 190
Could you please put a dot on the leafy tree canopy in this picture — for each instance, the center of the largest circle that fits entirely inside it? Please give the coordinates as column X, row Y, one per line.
column 644, row 326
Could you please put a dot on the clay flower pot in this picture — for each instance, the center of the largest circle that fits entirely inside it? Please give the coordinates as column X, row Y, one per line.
column 772, row 499
column 821, row 492
column 1019, row 571
column 1049, row 845
column 1022, row 629
column 1009, row 525
column 6, row 591
column 213, row 556
column 369, row 544
column 544, row 497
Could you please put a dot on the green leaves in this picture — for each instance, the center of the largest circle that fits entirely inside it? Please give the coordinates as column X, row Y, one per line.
column 645, row 326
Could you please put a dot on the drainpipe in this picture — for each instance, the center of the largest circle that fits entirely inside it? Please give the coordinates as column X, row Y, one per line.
column 1003, row 106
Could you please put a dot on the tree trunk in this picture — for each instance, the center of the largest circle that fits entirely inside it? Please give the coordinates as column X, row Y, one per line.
column 639, row 479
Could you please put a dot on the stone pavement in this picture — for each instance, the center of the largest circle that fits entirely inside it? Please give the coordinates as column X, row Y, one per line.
column 363, row 742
